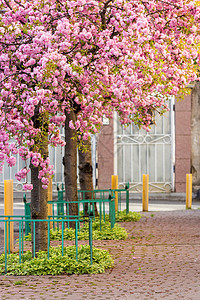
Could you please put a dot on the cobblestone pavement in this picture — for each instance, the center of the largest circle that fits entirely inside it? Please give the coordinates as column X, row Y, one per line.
column 159, row 260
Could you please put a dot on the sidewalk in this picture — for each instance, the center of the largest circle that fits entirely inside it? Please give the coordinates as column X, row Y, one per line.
column 159, row 260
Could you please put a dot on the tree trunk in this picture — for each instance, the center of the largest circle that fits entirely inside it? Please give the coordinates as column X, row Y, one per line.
column 70, row 166
column 39, row 207
column 86, row 174
column 39, row 196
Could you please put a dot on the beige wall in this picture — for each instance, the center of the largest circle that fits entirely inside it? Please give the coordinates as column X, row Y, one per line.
column 182, row 142
column 105, row 156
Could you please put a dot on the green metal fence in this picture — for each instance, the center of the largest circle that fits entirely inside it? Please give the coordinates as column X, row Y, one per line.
column 120, row 193
column 108, row 193
column 98, row 196
column 21, row 222
column 103, row 194
column 101, row 206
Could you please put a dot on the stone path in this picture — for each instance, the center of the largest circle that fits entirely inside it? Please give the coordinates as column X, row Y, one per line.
column 159, row 260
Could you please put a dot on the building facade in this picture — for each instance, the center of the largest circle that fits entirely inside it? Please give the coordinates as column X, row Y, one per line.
column 165, row 153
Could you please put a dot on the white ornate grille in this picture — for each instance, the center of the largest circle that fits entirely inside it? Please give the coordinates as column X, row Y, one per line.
column 138, row 152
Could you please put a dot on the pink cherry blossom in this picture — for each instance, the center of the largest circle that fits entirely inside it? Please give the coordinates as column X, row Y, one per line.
column 90, row 58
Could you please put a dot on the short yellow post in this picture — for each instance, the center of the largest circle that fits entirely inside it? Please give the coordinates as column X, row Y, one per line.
column 115, row 187
column 8, row 211
column 145, row 192
column 50, row 199
column 188, row 191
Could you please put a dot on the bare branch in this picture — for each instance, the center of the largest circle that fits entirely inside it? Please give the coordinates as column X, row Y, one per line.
column 19, row 3
column 7, row 3
column 168, row 3
column 114, row 33
column 103, row 14
column 80, row 13
column 72, row 49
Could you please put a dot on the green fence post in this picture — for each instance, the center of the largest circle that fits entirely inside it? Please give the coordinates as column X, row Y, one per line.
column 60, row 206
column 27, row 215
column 23, row 225
column 112, row 209
column 53, row 216
column 34, row 238
column 8, row 235
column 100, row 213
column 67, row 204
column 76, row 239
column 20, row 232
column 112, row 213
column 127, row 197
column 62, row 237
column 119, row 202
column 90, row 236
column 5, row 243
column 48, row 237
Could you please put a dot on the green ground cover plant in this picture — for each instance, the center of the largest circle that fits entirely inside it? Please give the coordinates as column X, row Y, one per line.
column 58, row 264
column 121, row 216
column 106, row 233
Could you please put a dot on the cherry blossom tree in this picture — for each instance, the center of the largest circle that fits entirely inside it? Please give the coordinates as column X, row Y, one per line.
column 71, row 62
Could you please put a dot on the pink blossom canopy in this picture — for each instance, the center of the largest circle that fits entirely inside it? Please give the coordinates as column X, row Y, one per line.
column 92, row 57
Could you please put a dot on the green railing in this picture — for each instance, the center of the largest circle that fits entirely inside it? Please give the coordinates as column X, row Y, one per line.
column 107, row 193
column 94, row 195
column 21, row 221
column 100, row 203
column 61, row 207
column 120, row 192
column 100, row 198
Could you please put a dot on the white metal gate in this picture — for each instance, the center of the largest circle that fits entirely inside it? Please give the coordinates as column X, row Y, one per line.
column 138, row 152
column 56, row 155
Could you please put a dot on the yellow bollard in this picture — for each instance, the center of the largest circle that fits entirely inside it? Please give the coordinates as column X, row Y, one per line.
column 50, row 199
column 8, row 211
column 188, row 191
column 145, row 192
column 115, row 187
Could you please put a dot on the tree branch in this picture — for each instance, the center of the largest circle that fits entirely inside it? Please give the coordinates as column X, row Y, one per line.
column 19, row 3
column 103, row 14
column 7, row 3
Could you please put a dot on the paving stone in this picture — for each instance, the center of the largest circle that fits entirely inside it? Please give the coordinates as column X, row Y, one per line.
column 159, row 260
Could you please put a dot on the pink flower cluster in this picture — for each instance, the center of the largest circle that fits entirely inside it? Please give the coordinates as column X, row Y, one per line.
column 11, row 161
column 46, row 172
column 27, row 187
column 22, row 174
